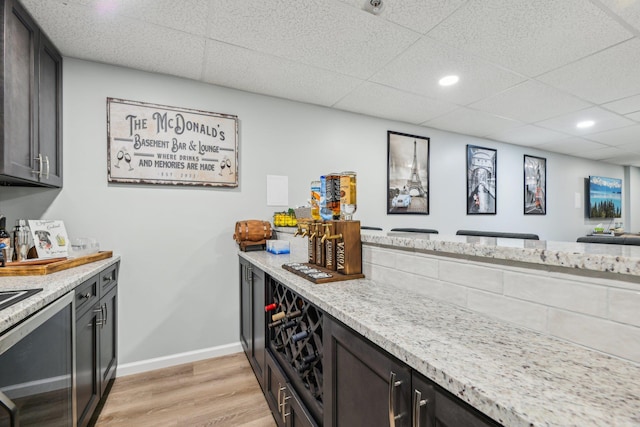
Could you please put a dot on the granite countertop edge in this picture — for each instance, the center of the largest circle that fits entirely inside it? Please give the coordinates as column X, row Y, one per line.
column 53, row 286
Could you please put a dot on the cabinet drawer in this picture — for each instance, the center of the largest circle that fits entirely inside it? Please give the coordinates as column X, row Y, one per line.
column 87, row 294
column 108, row 278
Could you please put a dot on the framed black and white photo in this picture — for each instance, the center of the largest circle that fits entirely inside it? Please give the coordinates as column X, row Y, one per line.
column 407, row 174
column 535, row 185
column 481, row 180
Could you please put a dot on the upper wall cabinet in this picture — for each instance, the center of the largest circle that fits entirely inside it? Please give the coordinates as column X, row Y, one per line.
column 31, row 107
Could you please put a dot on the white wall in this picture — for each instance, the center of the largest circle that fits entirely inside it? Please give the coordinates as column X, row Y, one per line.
column 178, row 281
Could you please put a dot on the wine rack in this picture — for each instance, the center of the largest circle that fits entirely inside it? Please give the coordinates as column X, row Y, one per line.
column 295, row 339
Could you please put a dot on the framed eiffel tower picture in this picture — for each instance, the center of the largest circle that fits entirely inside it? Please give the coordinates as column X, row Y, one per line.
column 407, row 174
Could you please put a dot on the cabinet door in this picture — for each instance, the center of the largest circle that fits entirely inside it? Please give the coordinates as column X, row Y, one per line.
column 50, row 112
column 246, row 296
column 20, row 109
column 284, row 402
column 423, row 401
column 108, row 338
column 368, row 386
column 87, row 380
column 258, row 323
column 452, row 412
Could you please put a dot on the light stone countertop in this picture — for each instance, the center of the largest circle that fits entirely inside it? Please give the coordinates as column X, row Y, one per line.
column 516, row 376
column 53, row 287
column 592, row 257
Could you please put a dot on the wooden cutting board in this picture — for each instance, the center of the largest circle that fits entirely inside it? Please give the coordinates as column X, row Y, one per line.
column 39, row 267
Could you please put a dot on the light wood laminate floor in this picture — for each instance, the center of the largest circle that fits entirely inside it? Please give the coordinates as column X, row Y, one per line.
column 216, row 392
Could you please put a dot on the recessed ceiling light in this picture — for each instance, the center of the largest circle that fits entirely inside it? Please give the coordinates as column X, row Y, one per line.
column 448, row 80
column 585, row 124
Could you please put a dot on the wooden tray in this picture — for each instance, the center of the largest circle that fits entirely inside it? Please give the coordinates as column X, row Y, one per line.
column 335, row 276
column 40, row 267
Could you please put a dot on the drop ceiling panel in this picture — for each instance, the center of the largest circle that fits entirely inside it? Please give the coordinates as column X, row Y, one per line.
column 604, row 120
column 604, row 153
column 528, row 135
column 396, row 105
column 618, row 137
column 530, row 37
column 573, row 146
column 633, row 160
column 625, row 105
column 190, row 16
column 121, row 41
column 634, row 116
column 327, row 34
column 529, row 102
column 239, row 68
column 472, row 122
column 606, row 76
column 420, row 67
column 418, row 15
column 629, row 10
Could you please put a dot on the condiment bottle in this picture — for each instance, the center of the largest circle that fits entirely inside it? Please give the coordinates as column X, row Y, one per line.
column 4, row 236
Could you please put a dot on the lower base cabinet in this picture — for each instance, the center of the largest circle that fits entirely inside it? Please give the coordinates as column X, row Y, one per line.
column 286, row 406
column 370, row 387
column 360, row 383
column 96, row 341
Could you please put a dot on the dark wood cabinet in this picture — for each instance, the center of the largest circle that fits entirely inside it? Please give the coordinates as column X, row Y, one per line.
column 371, row 387
column 368, row 386
column 31, row 107
column 252, row 317
column 286, row 406
column 351, row 381
column 96, row 341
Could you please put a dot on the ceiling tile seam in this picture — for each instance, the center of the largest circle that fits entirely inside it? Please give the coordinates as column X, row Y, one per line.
column 135, row 20
column 462, row 5
column 623, row 23
column 283, row 58
column 585, row 57
column 392, row 59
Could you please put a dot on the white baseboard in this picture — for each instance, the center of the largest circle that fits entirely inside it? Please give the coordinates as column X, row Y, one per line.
column 176, row 359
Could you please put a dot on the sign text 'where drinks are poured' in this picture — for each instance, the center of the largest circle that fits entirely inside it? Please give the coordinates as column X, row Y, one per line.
column 169, row 145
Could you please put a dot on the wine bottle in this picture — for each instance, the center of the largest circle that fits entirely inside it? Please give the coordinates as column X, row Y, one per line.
column 270, row 307
column 299, row 336
column 278, row 316
column 290, row 324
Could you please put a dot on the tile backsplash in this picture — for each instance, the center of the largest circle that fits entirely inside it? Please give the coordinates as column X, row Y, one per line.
column 602, row 314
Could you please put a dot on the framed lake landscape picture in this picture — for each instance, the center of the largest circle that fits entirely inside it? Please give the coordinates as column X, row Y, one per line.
column 481, row 180
column 605, row 197
column 407, row 174
column 535, row 185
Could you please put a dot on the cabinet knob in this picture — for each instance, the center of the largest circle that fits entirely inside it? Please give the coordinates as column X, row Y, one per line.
column 86, row 296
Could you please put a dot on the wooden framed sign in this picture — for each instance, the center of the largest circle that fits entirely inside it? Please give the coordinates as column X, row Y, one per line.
column 157, row 144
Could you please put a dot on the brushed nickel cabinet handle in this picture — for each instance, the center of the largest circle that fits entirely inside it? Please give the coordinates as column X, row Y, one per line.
column 39, row 171
column 46, row 161
column 11, row 407
column 392, row 399
column 418, row 403
column 99, row 320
